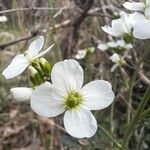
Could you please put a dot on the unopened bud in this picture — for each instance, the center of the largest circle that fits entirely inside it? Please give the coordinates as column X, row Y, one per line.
column 34, row 76
column 45, row 66
column 127, row 38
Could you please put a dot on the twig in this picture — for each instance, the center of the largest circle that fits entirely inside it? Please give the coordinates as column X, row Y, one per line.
column 34, row 8
column 33, row 34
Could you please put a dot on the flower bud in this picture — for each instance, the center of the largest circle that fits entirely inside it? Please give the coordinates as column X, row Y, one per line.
column 21, row 94
column 127, row 38
column 34, row 76
column 45, row 66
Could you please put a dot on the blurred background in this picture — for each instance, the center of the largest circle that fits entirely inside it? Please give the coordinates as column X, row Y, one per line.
column 73, row 25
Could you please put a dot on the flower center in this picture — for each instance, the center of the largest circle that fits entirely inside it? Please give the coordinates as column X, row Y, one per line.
column 72, row 100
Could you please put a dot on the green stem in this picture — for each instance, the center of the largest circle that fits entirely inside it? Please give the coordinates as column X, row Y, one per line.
column 123, row 78
column 130, row 92
column 145, row 113
column 111, row 138
column 111, row 118
column 136, row 118
column 111, row 122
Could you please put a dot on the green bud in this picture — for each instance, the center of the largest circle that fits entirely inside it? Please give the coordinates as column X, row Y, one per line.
column 34, row 76
column 128, row 38
column 45, row 66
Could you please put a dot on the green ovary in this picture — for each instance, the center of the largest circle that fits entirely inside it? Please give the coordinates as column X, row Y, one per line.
column 72, row 100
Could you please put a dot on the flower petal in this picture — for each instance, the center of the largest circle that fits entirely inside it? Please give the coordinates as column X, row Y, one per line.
column 46, row 100
column 147, row 12
column 114, row 58
column 110, row 31
column 35, row 47
column 21, row 94
column 135, row 6
column 147, row 3
column 142, row 33
column 68, row 75
column 16, row 67
column 112, row 44
column 80, row 123
column 114, row 67
column 44, row 52
column 97, row 94
column 136, row 17
column 102, row 47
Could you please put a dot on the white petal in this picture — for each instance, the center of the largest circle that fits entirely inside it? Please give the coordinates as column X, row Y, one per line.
column 3, row 19
column 21, row 94
column 135, row 18
column 80, row 123
column 102, row 47
column 115, row 58
column 44, row 52
column 46, row 100
column 147, row 3
column 141, row 30
column 16, row 67
column 120, row 26
column 68, row 75
column 114, row 67
column 80, row 54
column 135, row 6
column 110, row 31
column 35, row 47
column 97, row 94
column 128, row 46
column 147, row 12
column 112, row 44
column 127, row 26
column 121, row 43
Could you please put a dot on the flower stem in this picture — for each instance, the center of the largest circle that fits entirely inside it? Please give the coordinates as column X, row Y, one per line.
column 145, row 113
column 130, row 92
column 136, row 118
column 111, row 138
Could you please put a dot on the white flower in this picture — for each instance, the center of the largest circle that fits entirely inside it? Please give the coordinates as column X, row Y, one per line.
column 3, row 19
column 21, row 94
column 80, row 54
column 141, row 25
column 102, row 46
column 115, row 58
column 140, row 21
column 123, row 44
column 120, row 27
column 114, row 44
column 22, row 61
column 137, row 6
column 66, row 94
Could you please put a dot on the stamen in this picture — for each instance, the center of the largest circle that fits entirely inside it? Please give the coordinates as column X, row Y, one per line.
column 72, row 100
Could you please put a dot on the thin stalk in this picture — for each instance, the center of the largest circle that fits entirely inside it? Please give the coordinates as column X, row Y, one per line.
column 116, row 143
column 136, row 118
column 145, row 113
column 130, row 92
column 112, row 111
column 123, row 78
column 111, row 118
column 111, row 122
